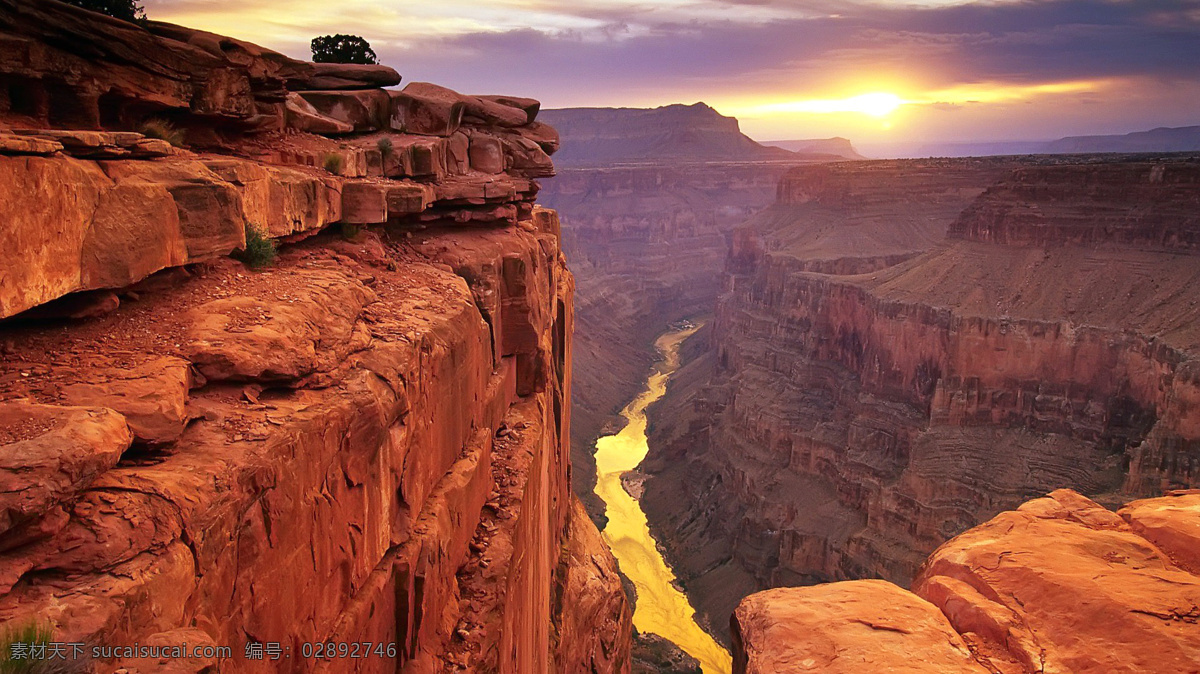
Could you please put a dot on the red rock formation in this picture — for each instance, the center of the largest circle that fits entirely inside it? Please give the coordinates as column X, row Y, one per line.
column 205, row 201
column 1058, row 585
column 593, row 607
column 366, row 441
column 850, row 627
column 1170, row 524
column 1038, row 206
column 909, row 399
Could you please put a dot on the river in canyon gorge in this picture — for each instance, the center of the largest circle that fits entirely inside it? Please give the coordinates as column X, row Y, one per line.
column 662, row 608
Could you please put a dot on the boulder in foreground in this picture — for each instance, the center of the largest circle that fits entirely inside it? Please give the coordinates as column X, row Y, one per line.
column 846, row 628
column 1059, row 585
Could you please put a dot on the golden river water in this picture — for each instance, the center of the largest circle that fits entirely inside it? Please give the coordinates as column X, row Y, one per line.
column 661, row 608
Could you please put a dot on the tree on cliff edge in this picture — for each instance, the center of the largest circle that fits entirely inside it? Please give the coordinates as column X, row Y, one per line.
column 127, row 10
column 342, row 49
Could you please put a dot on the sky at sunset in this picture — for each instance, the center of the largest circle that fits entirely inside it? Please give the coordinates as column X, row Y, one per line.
column 876, row 72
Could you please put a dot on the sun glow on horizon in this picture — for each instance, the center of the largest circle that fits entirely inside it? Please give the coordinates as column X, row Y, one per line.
column 986, row 92
column 875, row 104
column 891, row 107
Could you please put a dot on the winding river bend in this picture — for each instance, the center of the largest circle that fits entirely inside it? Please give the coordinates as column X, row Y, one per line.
column 661, row 608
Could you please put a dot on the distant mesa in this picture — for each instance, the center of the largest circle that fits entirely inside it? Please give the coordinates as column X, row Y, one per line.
column 697, row 133
column 835, row 147
column 1162, row 139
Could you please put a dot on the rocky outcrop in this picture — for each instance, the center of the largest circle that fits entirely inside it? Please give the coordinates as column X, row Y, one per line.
column 365, row 440
column 1059, row 585
column 275, row 173
column 860, row 403
column 853, row 626
column 595, row 620
column 653, row 654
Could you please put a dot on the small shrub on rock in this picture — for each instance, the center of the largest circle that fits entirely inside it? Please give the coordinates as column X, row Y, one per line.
column 16, row 640
column 162, row 130
column 385, row 147
column 342, row 49
column 333, row 163
column 260, row 249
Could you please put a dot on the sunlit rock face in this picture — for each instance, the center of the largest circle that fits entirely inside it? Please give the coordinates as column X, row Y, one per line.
column 1058, row 585
column 858, row 402
column 366, row 439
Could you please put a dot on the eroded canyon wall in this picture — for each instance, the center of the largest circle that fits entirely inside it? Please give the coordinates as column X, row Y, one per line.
column 646, row 245
column 366, row 440
column 860, row 402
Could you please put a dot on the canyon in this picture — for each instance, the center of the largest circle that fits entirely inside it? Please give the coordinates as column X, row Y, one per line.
column 644, row 241
column 296, row 357
column 802, row 443
column 869, row 390
column 649, row 198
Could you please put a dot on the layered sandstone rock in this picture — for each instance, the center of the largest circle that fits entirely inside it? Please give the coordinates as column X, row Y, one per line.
column 1039, row 206
column 85, row 85
column 366, row 441
column 1171, row 524
column 1059, row 585
column 859, row 404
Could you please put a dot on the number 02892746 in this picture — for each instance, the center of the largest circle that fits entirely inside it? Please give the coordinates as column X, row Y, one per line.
column 342, row 649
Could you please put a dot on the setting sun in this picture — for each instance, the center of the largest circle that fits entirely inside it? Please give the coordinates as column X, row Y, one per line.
column 874, row 104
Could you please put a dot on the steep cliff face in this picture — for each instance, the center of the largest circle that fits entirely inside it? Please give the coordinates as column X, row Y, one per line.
column 1059, row 585
column 367, row 440
column 646, row 247
column 1128, row 204
column 860, row 404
